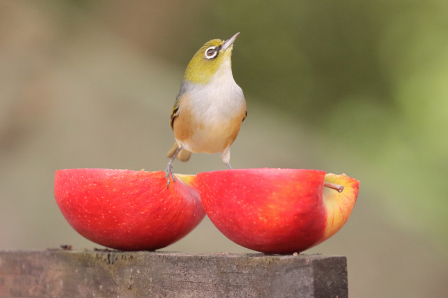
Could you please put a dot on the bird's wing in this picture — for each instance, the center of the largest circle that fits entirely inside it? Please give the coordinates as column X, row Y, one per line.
column 174, row 112
column 183, row 88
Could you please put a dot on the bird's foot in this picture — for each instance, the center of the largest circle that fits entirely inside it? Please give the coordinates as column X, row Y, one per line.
column 228, row 165
column 168, row 172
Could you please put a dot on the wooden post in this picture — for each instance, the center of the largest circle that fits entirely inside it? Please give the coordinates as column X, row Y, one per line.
column 61, row 273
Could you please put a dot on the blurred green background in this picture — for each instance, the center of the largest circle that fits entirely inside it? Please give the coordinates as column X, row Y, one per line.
column 356, row 86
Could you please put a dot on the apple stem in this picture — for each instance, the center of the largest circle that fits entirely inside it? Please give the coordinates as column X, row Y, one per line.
column 337, row 187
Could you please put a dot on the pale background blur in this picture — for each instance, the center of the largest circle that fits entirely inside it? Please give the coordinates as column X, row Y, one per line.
column 356, row 86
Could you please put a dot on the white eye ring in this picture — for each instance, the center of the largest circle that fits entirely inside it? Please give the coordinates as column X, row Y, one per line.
column 211, row 53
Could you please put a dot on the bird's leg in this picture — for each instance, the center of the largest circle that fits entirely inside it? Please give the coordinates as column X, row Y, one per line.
column 169, row 167
column 225, row 155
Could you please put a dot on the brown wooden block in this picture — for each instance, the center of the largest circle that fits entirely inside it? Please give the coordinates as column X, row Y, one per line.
column 59, row 273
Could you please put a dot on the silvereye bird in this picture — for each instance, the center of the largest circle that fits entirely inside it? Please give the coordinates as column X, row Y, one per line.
column 210, row 106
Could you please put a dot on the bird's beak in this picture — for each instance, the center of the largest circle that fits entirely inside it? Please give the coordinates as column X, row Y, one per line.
column 229, row 42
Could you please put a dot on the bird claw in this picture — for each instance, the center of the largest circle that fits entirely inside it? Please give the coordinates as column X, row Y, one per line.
column 168, row 171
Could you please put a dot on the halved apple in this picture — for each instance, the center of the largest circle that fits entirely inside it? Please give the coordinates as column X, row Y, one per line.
column 276, row 210
column 128, row 210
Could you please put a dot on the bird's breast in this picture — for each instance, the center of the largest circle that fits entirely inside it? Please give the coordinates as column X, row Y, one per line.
column 213, row 116
column 221, row 98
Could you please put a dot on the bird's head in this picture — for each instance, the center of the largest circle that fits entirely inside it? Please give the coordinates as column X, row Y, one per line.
column 213, row 55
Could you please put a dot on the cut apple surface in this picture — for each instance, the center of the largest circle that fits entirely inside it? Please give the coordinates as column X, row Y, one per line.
column 128, row 210
column 276, row 210
column 339, row 205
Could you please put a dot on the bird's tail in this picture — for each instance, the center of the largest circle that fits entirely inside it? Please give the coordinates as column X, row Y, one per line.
column 183, row 155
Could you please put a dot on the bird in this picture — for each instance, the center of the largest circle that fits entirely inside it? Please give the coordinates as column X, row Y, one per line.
column 210, row 107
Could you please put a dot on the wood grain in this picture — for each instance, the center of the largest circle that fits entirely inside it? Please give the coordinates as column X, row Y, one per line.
column 59, row 273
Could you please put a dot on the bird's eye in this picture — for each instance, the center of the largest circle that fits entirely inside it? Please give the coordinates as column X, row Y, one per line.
column 211, row 53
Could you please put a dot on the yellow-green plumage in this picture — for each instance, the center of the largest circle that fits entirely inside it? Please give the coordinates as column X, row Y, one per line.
column 200, row 69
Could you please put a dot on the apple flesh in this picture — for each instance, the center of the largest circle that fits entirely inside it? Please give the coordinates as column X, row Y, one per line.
column 339, row 205
column 128, row 210
column 276, row 211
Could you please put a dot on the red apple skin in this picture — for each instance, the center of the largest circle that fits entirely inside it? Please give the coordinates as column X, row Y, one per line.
column 128, row 210
column 277, row 211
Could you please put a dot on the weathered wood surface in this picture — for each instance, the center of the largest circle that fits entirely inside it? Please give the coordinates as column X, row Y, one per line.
column 59, row 273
